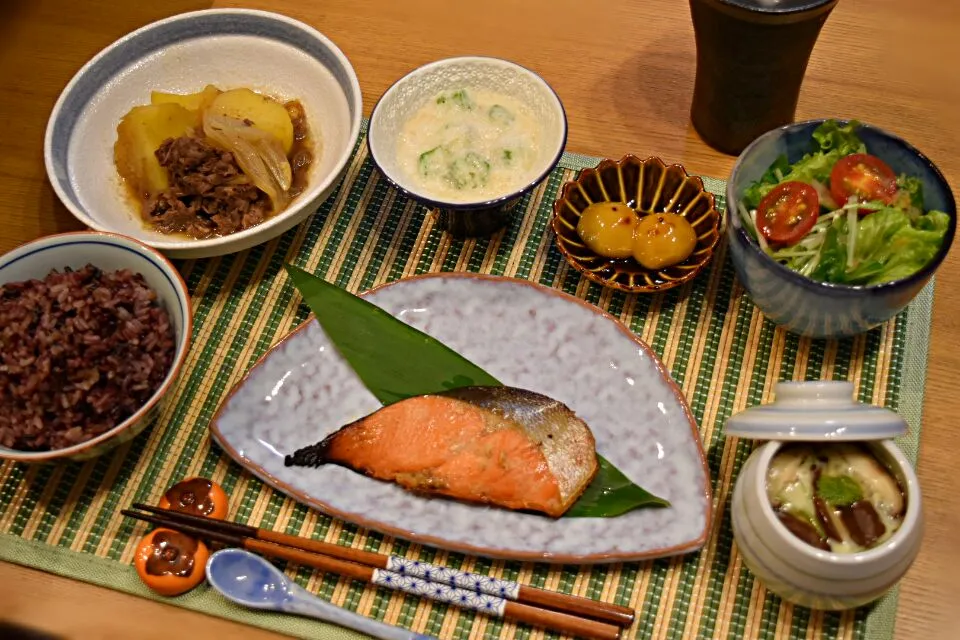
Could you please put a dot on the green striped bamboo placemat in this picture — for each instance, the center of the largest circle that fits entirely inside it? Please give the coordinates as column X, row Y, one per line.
column 65, row 518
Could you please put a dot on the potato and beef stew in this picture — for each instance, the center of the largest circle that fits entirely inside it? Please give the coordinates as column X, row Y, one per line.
column 214, row 162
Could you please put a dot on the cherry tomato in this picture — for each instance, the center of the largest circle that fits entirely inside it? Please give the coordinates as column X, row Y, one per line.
column 197, row 496
column 170, row 562
column 865, row 177
column 788, row 212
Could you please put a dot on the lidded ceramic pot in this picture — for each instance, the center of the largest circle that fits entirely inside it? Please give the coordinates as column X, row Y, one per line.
column 800, row 514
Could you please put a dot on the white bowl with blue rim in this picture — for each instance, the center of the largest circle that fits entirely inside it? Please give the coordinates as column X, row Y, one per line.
column 483, row 216
column 822, row 411
column 820, row 309
column 108, row 252
column 229, row 48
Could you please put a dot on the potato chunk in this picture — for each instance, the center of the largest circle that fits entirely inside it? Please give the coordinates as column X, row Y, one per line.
column 193, row 101
column 265, row 113
column 139, row 134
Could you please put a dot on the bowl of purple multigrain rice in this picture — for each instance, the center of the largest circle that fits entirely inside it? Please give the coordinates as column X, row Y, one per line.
column 94, row 329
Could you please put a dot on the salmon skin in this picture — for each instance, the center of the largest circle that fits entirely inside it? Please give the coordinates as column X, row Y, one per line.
column 501, row 446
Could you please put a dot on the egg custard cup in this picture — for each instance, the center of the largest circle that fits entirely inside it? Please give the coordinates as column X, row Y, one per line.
column 829, row 573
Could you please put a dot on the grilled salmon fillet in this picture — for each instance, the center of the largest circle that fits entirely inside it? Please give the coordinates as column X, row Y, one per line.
column 501, row 446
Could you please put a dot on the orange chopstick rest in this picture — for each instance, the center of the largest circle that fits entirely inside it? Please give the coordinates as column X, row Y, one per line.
column 198, row 497
column 170, row 562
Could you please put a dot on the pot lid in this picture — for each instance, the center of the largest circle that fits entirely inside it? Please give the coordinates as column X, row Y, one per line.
column 816, row 411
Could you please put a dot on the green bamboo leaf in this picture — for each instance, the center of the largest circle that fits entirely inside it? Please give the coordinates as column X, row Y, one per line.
column 396, row 361
column 393, row 360
column 611, row 494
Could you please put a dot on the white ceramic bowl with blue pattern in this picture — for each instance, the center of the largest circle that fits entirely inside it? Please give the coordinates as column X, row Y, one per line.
column 484, row 217
column 108, row 252
column 798, row 572
column 819, row 309
column 229, row 48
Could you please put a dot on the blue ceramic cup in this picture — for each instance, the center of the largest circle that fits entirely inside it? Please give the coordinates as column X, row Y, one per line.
column 809, row 307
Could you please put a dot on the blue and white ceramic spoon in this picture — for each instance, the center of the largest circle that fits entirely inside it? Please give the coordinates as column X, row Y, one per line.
column 251, row 581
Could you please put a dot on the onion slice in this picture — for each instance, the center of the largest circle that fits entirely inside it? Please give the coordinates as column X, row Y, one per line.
column 258, row 152
column 825, row 198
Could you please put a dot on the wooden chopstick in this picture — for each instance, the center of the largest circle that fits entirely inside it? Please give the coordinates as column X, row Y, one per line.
column 577, row 605
column 483, row 603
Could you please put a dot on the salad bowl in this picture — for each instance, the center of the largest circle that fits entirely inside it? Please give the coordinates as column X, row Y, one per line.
column 805, row 304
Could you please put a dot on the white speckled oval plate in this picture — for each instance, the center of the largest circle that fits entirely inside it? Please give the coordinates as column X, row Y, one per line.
column 527, row 336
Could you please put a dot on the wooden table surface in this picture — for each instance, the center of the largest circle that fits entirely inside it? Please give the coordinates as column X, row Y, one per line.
column 625, row 74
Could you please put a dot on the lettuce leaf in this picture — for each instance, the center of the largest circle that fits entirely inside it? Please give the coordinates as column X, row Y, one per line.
column 889, row 245
column 832, row 136
column 832, row 264
column 755, row 192
column 912, row 186
column 937, row 221
column 909, row 195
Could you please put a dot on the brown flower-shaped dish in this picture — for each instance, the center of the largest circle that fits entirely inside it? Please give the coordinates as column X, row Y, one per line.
column 648, row 186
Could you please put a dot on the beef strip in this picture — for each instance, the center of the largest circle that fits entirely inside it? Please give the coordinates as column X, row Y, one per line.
column 208, row 194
